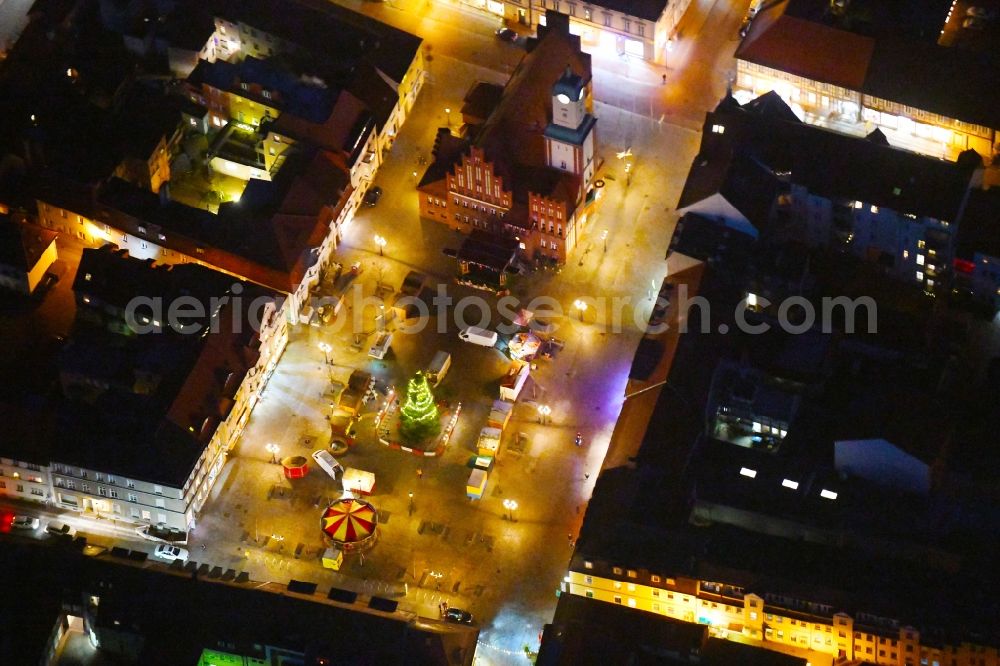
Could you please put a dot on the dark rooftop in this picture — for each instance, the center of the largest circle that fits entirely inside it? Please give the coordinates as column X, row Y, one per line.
column 137, row 600
column 22, row 245
column 760, row 139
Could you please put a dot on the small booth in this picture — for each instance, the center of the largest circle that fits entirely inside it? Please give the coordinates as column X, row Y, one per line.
column 500, row 414
column 489, row 442
column 484, row 463
column 358, row 481
column 524, row 346
column 333, row 558
column 513, row 381
column 476, row 485
column 295, row 467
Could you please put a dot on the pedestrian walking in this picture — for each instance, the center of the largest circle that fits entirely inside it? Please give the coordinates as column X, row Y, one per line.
column 420, row 474
column 664, row 79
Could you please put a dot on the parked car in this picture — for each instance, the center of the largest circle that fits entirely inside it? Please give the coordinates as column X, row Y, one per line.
column 25, row 523
column 170, row 553
column 507, row 35
column 59, row 528
column 373, row 195
column 458, row 615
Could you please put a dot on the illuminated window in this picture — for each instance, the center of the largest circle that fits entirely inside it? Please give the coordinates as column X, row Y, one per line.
column 828, row 494
column 718, row 129
column 631, row 602
column 631, row 587
column 921, row 244
column 655, row 579
column 857, row 204
column 920, row 260
column 617, row 585
column 631, row 573
column 587, row 564
column 906, row 254
column 746, row 471
column 874, row 209
column 788, row 483
column 920, row 276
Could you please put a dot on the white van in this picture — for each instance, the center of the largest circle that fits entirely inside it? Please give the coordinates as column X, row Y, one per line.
column 381, row 346
column 479, row 336
column 438, row 367
column 328, row 463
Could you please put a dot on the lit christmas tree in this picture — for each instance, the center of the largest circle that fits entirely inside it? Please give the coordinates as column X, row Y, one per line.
column 418, row 418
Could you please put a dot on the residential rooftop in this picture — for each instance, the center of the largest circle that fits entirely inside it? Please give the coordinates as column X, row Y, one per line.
column 892, row 50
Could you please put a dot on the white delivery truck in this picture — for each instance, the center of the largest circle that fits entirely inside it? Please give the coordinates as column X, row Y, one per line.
column 381, row 346
column 328, row 463
column 479, row 336
column 438, row 367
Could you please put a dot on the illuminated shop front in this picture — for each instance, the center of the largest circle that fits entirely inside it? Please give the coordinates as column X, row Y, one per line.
column 855, row 113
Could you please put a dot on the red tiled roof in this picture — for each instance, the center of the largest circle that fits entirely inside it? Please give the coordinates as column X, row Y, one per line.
column 806, row 48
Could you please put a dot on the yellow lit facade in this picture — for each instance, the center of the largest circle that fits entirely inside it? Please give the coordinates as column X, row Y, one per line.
column 855, row 113
column 600, row 29
column 774, row 622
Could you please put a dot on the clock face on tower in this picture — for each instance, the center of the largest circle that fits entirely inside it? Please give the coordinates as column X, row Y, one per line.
column 563, row 99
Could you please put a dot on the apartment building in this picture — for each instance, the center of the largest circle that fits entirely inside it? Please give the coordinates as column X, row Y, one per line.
column 644, row 30
column 185, row 396
column 26, row 254
column 767, row 174
column 857, row 66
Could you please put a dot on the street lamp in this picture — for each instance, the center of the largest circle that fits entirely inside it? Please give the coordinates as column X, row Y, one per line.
column 626, row 157
column 604, row 237
column 411, row 502
column 272, row 448
column 544, row 411
column 511, row 506
column 447, row 112
column 380, row 241
column 581, row 306
column 326, row 349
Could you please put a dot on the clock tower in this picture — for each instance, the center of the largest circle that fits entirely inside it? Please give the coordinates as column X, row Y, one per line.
column 569, row 138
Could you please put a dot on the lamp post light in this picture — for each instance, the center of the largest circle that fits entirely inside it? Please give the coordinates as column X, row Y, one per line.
column 326, row 349
column 380, row 241
column 543, row 412
column 272, row 448
column 581, row 307
column 511, row 506
column 447, row 112
column 626, row 157
column 604, row 237
column 411, row 502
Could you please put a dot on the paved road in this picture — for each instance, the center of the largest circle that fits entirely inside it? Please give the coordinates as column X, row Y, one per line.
column 449, row 548
column 697, row 69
